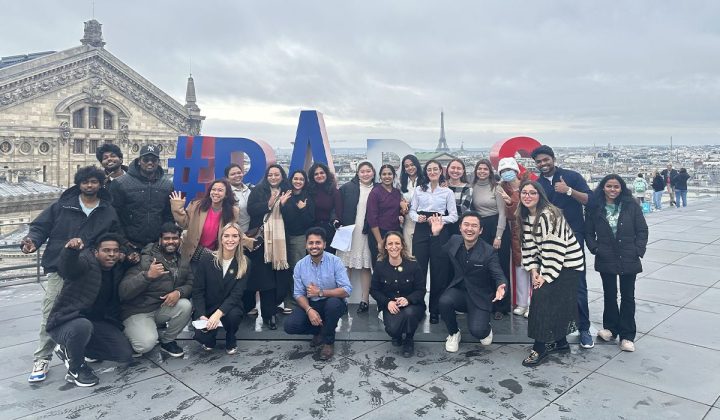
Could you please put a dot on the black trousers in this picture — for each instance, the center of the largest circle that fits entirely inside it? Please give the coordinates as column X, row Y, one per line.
column 478, row 320
column 330, row 310
column 405, row 322
column 231, row 323
column 269, row 300
column 95, row 339
column 428, row 250
column 620, row 321
column 489, row 225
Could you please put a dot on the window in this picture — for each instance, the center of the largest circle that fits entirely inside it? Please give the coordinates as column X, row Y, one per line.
column 93, row 146
column 107, row 121
column 94, row 113
column 78, row 121
column 79, row 146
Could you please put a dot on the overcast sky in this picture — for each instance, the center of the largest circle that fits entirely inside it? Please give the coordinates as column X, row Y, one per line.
column 564, row 72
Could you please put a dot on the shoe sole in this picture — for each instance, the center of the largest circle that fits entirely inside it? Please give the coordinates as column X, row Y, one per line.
column 172, row 354
column 32, row 379
column 69, row 378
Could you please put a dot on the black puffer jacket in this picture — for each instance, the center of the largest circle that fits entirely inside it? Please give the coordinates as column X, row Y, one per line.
column 658, row 183
column 139, row 295
column 82, row 277
column 680, row 181
column 64, row 220
column 142, row 205
column 619, row 253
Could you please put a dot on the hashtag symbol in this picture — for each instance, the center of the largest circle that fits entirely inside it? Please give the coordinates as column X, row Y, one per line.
column 187, row 165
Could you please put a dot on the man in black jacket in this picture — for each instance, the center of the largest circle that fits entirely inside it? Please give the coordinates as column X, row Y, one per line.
column 142, row 199
column 85, row 320
column 478, row 281
column 82, row 211
column 111, row 158
column 155, row 292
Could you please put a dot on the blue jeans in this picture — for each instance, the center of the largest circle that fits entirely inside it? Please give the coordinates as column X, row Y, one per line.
column 681, row 195
column 582, row 293
column 657, row 199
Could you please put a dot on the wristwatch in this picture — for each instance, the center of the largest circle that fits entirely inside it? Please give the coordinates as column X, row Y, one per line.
column 569, row 191
column 320, row 293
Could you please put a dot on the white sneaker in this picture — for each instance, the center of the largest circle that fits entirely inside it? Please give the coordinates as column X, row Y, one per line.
column 606, row 335
column 40, row 370
column 527, row 313
column 452, row 343
column 487, row 340
column 520, row 310
column 627, row 345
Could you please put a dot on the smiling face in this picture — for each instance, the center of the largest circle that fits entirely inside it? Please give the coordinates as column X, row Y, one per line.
column 482, row 172
column 319, row 175
column 612, row 190
column 387, row 177
column 315, row 245
column 298, row 182
column 366, row 174
column 545, row 163
column 217, row 193
column 410, row 168
column 149, row 164
column 433, row 172
column 110, row 161
column 529, row 197
column 169, row 242
column 230, row 239
column 393, row 246
column 455, row 170
column 235, row 176
column 274, row 177
column 470, row 228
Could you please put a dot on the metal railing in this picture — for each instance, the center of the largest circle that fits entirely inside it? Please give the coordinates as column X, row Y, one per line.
column 24, row 276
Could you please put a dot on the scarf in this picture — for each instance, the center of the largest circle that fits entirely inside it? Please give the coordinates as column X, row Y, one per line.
column 274, row 233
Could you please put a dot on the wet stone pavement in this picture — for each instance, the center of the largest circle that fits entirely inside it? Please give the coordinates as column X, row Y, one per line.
column 673, row 373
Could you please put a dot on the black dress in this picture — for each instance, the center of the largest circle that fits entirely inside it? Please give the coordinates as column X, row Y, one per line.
column 390, row 282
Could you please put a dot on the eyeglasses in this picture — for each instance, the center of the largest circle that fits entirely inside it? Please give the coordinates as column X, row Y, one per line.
column 528, row 193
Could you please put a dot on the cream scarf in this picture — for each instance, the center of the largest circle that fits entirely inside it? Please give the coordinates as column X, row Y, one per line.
column 274, row 234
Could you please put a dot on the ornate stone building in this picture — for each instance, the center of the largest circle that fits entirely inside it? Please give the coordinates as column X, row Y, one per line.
column 56, row 108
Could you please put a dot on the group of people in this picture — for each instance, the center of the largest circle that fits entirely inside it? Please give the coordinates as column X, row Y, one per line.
column 129, row 264
column 669, row 180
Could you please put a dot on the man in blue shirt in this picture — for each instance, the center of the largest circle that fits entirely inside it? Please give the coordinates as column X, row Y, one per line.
column 320, row 289
column 568, row 191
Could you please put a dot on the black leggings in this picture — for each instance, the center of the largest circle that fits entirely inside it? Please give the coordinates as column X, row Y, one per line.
column 428, row 250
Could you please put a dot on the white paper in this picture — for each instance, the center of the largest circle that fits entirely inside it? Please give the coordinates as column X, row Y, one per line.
column 343, row 238
column 201, row 324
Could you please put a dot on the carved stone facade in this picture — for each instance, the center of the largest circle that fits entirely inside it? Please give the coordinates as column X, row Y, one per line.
column 55, row 111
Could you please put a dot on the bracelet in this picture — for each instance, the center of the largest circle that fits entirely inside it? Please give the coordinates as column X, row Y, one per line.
column 308, row 309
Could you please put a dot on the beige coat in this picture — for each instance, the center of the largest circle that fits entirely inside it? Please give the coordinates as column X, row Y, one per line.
column 193, row 221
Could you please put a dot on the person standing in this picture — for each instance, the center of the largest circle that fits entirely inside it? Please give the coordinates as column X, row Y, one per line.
column 568, row 191
column 354, row 198
column 323, row 191
column 488, row 201
column 668, row 175
column 639, row 188
column 83, row 211
column 141, row 200
column 384, row 210
column 617, row 235
column 399, row 289
column 658, row 185
column 410, row 177
column 458, row 184
column 680, row 181
column 554, row 258
column 111, row 159
column 235, row 174
column 431, row 199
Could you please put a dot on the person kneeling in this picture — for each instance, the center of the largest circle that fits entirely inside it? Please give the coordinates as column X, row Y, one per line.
column 84, row 322
column 320, row 289
column 220, row 281
column 398, row 286
column 478, row 281
column 155, row 292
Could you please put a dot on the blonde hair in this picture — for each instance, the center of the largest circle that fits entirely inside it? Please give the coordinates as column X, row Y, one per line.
column 239, row 256
column 404, row 254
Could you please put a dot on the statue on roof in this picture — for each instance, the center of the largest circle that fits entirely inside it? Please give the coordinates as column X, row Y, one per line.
column 93, row 34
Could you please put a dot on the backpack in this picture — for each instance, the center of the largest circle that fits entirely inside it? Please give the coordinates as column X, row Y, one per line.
column 639, row 185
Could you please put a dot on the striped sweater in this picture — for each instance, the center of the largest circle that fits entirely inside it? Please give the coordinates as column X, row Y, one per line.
column 553, row 248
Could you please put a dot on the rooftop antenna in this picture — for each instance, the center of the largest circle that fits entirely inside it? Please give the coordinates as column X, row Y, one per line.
column 190, row 66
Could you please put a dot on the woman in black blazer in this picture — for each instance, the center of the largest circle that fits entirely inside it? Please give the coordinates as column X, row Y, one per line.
column 220, row 281
column 616, row 233
column 398, row 287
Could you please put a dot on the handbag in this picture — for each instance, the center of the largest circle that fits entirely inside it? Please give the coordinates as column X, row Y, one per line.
column 258, row 231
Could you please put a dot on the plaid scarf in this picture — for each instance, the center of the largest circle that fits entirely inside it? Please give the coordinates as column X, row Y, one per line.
column 274, row 233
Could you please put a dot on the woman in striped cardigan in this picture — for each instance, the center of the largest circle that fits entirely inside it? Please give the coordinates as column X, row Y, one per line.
column 552, row 255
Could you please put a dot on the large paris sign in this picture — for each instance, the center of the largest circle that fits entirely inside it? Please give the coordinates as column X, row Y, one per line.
column 200, row 159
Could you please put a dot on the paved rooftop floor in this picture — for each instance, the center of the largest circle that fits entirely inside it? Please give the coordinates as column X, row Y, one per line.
column 673, row 373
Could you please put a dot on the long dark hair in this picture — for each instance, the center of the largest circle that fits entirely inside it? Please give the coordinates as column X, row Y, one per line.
column 329, row 184
column 625, row 194
column 463, row 178
column 392, row 169
column 543, row 206
column 228, row 203
column 264, row 185
column 491, row 177
column 356, row 178
column 426, row 180
column 404, row 177
column 304, row 189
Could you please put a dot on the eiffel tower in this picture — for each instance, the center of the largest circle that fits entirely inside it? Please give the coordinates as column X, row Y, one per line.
column 442, row 143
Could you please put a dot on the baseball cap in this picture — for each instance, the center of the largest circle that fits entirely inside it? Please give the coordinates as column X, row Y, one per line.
column 150, row 149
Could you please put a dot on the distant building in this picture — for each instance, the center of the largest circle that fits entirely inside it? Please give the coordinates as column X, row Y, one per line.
column 57, row 108
column 20, row 202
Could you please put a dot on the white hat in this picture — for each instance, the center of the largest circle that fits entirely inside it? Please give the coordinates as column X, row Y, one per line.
column 508, row 163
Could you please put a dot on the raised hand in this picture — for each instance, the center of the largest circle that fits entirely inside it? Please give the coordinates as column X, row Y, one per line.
column 156, row 270
column 302, row 203
column 176, row 195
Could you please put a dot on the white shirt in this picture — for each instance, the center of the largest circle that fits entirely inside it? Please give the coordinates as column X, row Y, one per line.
column 438, row 201
column 241, row 195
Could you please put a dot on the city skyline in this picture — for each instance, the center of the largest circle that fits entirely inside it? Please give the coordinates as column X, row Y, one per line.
column 566, row 74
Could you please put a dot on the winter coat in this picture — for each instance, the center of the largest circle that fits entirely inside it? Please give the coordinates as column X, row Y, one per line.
column 680, row 181
column 193, row 220
column 658, row 184
column 140, row 295
column 389, row 283
column 298, row 220
column 82, row 278
column 672, row 174
column 213, row 291
column 142, row 205
column 64, row 220
column 619, row 253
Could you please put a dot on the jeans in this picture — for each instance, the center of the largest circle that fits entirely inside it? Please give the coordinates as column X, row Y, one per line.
column 522, row 287
column 657, row 199
column 582, row 293
column 681, row 195
column 52, row 290
column 330, row 309
column 620, row 321
column 142, row 331
column 478, row 320
column 95, row 339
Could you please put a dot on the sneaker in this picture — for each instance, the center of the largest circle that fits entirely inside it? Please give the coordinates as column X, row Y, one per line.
column 62, row 355
column 586, row 340
column 527, row 313
column 231, row 350
column 519, row 311
column 487, row 340
column 452, row 343
column 627, row 345
column 206, row 348
column 40, row 370
column 606, row 335
column 91, row 360
column 84, row 376
column 172, row 349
